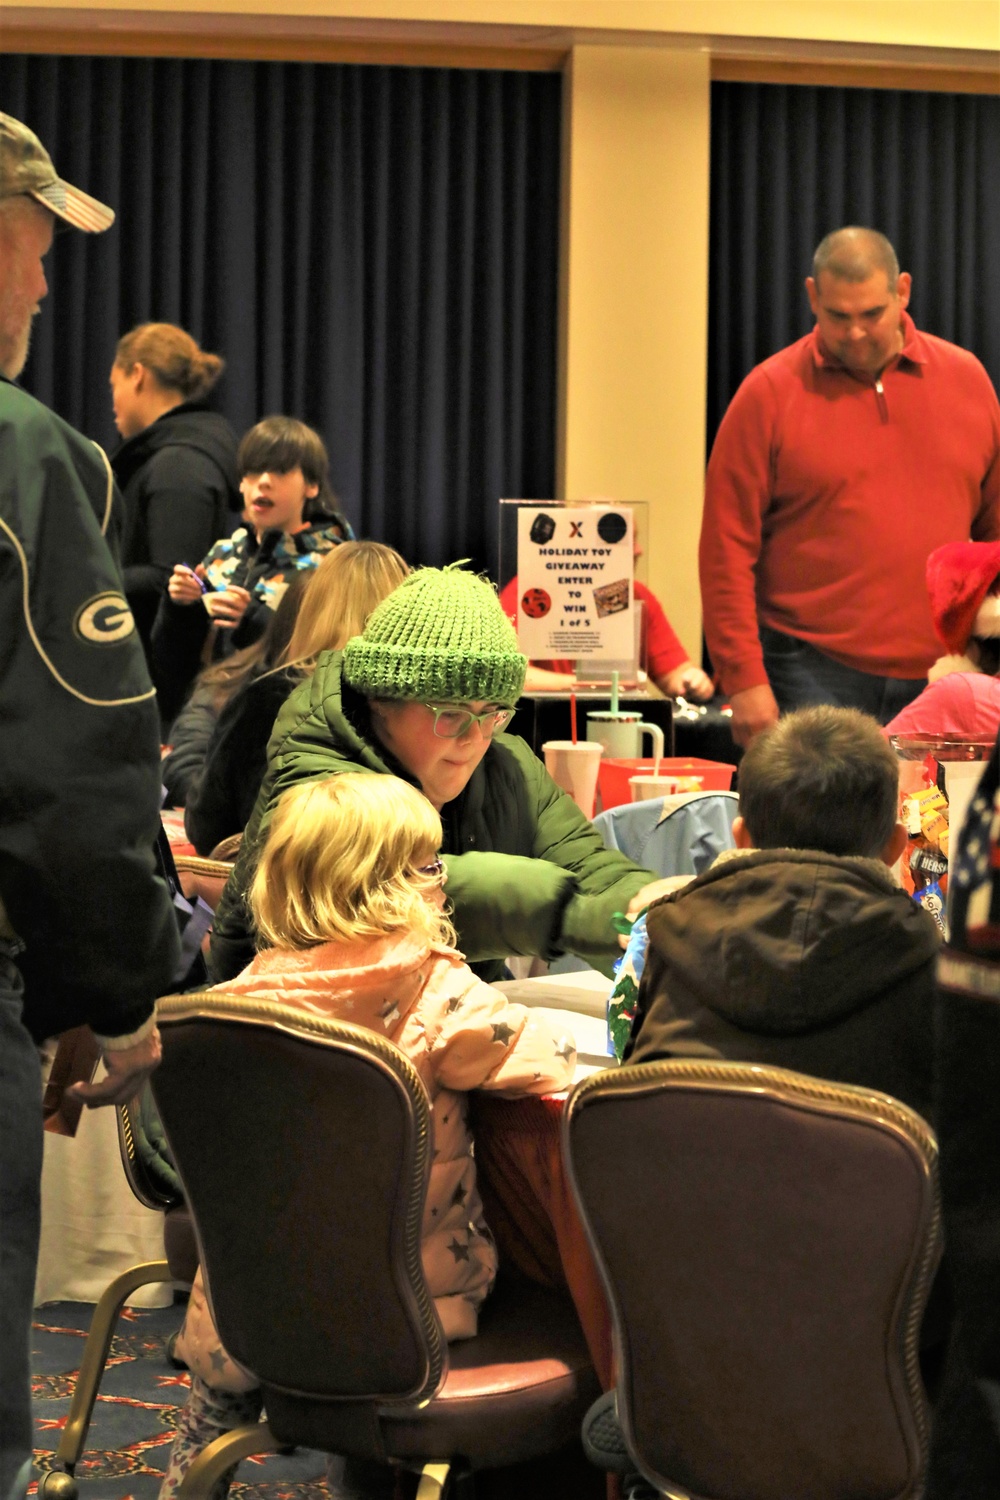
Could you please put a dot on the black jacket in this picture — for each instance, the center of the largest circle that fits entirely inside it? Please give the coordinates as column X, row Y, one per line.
column 79, row 741
column 189, row 740
column 181, row 492
column 222, row 794
column 800, row 959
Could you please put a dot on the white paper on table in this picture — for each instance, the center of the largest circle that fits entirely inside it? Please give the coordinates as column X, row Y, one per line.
column 585, row 992
column 589, row 1032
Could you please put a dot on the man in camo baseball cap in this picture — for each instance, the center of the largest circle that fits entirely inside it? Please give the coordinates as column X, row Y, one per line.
column 26, row 170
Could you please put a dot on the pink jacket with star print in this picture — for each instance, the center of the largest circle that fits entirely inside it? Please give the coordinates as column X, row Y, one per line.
column 460, row 1034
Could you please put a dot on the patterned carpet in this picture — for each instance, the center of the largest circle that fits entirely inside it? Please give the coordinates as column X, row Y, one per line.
column 132, row 1427
column 133, row 1423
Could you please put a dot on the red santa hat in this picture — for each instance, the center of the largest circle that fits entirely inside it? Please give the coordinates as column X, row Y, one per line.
column 960, row 581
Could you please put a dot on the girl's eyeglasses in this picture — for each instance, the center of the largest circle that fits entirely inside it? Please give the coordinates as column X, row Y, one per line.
column 452, row 723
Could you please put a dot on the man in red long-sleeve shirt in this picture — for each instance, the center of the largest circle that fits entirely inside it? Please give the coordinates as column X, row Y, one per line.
column 842, row 462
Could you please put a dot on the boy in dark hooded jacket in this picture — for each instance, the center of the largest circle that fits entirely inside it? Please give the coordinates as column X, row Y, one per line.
column 798, row 949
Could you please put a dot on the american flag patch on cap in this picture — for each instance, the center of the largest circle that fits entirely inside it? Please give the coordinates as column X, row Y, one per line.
column 76, row 207
column 26, row 170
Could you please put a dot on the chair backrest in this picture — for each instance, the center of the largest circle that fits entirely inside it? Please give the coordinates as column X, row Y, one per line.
column 303, row 1147
column 227, row 848
column 767, row 1241
column 150, row 1173
column 154, row 1181
column 673, row 835
column 203, row 877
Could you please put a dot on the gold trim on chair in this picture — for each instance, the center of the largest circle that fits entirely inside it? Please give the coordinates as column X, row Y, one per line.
column 198, row 864
column 227, row 848
column 780, row 1083
column 148, row 1191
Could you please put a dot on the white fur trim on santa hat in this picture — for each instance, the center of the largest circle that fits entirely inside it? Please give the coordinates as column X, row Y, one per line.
column 948, row 664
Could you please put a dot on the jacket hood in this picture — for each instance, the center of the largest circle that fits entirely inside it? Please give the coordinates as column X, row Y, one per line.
column 314, row 715
column 190, row 425
column 376, row 983
column 783, row 941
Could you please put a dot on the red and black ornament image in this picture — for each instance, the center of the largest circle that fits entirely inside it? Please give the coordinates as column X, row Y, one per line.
column 536, row 603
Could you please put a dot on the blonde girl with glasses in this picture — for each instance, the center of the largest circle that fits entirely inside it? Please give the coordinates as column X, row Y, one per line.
column 348, row 897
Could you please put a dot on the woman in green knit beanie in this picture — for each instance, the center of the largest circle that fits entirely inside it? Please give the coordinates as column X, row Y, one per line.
column 425, row 693
column 440, row 667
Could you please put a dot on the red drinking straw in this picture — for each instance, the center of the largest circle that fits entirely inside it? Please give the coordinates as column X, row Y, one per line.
column 572, row 714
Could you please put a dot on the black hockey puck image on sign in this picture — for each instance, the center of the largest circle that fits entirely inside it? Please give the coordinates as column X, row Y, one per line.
column 611, row 528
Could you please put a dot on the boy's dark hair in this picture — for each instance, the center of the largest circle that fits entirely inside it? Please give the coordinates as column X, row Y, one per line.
column 282, row 444
column 821, row 778
column 984, row 651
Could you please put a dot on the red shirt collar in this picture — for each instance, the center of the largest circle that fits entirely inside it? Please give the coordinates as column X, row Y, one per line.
column 914, row 348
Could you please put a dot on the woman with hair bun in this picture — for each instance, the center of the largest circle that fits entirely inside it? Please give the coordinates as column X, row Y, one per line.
column 177, row 464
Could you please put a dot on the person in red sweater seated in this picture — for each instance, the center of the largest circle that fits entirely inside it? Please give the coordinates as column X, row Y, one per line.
column 667, row 663
column 962, row 697
column 841, row 463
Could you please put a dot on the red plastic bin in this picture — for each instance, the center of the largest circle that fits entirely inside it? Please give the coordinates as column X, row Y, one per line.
column 613, row 775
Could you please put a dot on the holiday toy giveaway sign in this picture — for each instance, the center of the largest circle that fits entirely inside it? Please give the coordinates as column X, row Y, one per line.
column 574, row 569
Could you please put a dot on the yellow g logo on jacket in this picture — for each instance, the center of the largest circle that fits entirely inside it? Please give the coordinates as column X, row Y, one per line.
column 104, row 620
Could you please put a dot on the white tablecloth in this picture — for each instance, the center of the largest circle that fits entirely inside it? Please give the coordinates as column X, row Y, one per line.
column 93, row 1226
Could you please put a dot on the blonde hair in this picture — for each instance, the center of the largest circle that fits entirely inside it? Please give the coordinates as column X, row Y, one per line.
column 340, row 863
column 346, row 586
column 173, row 356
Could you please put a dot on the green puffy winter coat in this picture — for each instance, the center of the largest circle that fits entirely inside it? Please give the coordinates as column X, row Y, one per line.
column 527, row 873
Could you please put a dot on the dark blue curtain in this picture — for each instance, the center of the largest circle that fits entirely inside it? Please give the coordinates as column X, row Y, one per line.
column 372, row 249
column 790, row 163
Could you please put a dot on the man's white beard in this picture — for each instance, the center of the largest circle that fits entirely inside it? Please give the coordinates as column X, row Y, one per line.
column 14, row 359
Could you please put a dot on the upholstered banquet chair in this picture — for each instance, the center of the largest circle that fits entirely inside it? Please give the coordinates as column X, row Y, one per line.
column 767, row 1243
column 304, row 1149
column 676, row 835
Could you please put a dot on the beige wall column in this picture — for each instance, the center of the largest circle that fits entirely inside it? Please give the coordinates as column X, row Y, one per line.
column 635, row 299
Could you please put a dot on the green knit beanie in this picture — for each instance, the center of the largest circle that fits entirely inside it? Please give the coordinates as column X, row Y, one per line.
column 440, row 637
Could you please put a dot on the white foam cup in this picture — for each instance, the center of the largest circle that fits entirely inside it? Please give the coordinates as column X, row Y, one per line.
column 645, row 787
column 574, row 768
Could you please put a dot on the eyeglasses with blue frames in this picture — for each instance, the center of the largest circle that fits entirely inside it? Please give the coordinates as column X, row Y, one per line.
column 450, row 723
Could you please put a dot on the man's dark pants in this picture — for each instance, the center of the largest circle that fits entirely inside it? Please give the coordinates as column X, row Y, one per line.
column 800, row 676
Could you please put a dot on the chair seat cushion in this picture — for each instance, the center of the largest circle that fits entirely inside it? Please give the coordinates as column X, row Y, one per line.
column 520, row 1388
